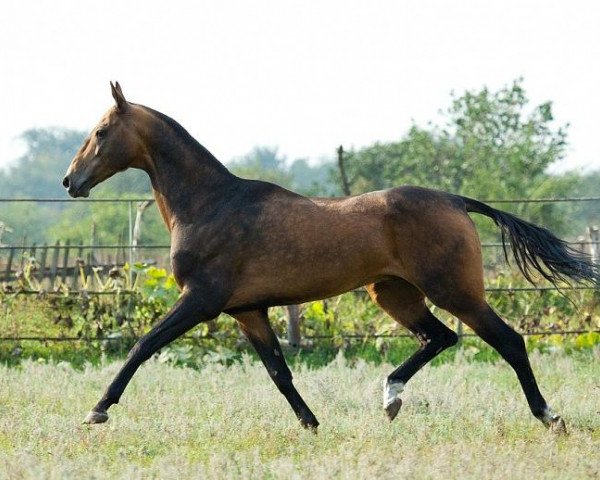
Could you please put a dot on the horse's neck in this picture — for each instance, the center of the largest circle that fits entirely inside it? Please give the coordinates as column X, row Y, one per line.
column 186, row 183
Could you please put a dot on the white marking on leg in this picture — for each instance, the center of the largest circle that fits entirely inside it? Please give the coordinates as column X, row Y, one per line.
column 549, row 416
column 391, row 392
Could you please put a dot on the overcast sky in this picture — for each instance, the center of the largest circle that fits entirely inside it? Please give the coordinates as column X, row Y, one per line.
column 303, row 76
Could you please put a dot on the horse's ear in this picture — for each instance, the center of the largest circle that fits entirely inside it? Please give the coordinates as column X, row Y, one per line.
column 117, row 94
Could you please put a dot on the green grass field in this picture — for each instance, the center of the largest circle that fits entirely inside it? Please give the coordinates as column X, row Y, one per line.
column 459, row 420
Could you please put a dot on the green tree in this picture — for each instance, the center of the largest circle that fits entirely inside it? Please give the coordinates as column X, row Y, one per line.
column 39, row 171
column 491, row 146
column 488, row 147
column 49, row 151
column 38, row 174
column 265, row 163
column 262, row 163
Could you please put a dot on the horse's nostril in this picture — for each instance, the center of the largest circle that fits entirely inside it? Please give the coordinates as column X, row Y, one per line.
column 66, row 182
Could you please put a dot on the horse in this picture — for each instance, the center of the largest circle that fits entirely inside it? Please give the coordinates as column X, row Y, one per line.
column 240, row 246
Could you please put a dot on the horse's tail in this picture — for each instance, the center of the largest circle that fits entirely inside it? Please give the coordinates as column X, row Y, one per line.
column 539, row 249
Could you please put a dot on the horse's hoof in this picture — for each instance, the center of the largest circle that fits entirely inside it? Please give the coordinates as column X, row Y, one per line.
column 96, row 417
column 311, row 428
column 310, row 425
column 557, row 426
column 392, row 408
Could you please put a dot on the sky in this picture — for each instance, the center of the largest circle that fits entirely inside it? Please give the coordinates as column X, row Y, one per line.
column 302, row 76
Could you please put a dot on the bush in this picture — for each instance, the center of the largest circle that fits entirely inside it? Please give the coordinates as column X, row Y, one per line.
column 117, row 307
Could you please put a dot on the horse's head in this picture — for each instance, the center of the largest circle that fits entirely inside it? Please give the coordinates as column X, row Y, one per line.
column 113, row 146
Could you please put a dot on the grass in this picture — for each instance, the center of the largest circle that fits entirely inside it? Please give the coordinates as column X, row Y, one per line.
column 460, row 419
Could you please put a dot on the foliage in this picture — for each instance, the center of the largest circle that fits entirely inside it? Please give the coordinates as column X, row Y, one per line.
column 265, row 163
column 138, row 296
column 491, row 146
column 108, row 223
column 488, row 148
column 37, row 173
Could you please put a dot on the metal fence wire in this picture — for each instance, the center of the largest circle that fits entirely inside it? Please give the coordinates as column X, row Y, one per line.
column 60, row 256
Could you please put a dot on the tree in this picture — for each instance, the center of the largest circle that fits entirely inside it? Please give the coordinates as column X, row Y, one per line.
column 38, row 174
column 489, row 147
column 262, row 163
column 265, row 163
column 49, row 151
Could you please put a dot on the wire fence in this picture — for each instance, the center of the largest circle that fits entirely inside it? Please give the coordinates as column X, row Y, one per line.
column 62, row 259
column 358, row 337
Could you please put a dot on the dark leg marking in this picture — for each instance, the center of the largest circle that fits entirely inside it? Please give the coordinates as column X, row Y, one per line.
column 255, row 325
column 185, row 314
column 511, row 346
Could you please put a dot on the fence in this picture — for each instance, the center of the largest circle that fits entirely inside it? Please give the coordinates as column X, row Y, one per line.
column 64, row 260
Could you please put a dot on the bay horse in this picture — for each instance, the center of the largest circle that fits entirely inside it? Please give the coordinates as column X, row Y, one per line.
column 241, row 246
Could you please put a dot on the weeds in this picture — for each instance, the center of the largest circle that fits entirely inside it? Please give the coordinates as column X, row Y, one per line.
column 115, row 307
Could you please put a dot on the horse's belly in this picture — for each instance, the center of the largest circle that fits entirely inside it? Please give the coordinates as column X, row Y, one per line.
column 296, row 278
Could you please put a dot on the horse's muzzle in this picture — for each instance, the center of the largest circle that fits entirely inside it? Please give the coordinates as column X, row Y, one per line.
column 73, row 190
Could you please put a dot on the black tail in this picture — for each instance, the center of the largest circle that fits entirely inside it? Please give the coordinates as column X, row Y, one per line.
column 538, row 248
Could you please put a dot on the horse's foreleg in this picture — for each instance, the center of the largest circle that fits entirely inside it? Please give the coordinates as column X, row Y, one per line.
column 255, row 325
column 189, row 310
column 405, row 304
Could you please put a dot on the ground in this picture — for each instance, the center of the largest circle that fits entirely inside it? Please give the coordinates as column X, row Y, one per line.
column 459, row 420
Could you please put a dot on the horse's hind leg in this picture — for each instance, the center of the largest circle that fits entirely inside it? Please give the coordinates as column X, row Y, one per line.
column 405, row 304
column 510, row 345
column 255, row 325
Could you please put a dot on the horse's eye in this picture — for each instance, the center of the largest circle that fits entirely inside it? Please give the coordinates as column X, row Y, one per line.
column 100, row 133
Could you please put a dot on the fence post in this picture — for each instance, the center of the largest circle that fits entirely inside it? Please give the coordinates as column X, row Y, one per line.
column 130, row 230
column 93, row 242
column 42, row 271
column 293, row 331
column 594, row 240
column 11, row 254
column 23, row 252
column 76, row 271
column 65, row 264
column 137, row 226
column 342, row 168
column 54, row 267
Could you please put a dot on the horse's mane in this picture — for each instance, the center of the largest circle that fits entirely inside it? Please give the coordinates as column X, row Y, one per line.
column 185, row 136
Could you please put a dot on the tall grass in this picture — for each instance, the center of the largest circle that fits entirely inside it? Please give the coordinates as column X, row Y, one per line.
column 459, row 420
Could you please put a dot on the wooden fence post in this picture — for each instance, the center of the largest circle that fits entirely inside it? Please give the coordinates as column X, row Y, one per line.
column 54, row 267
column 65, row 264
column 23, row 252
column 93, row 242
column 11, row 254
column 137, row 227
column 42, row 271
column 293, row 331
column 342, row 168
column 594, row 246
column 76, row 267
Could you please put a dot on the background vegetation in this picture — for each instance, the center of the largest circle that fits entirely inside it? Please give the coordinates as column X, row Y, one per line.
column 488, row 144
